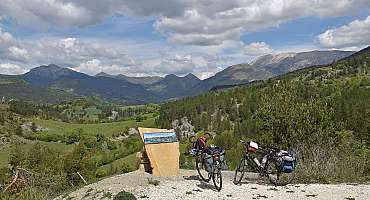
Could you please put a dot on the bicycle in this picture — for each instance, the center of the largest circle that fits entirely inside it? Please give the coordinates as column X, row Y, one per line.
column 216, row 171
column 270, row 167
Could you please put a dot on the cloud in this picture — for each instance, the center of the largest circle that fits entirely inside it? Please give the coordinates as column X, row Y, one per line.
column 211, row 22
column 257, row 49
column 194, row 22
column 355, row 34
column 19, row 53
column 12, row 69
column 95, row 66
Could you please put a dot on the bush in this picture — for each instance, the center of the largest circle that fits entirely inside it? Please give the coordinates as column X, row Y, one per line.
column 47, row 137
column 330, row 162
column 153, row 182
column 125, row 168
column 123, row 195
column 100, row 173
column 74, row 136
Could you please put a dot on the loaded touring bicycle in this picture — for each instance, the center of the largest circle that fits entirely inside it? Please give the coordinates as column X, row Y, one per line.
column 209, row 161
column 277, row 165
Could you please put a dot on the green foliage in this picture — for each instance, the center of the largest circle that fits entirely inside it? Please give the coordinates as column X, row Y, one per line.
column 125, row 168
column 123, row 195
column 321, row 112
column 74, row 136
column 153, row 182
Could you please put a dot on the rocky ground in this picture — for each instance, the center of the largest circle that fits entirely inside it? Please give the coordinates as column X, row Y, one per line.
column 188, row 186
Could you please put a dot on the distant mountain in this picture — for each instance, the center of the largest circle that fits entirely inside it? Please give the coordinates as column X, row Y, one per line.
column 283, row 63
column 173, row 86
column 53, row 83
column 108, row 88
column 48, row 74
column 147, row 80
column 13, row 87
column 269, row 66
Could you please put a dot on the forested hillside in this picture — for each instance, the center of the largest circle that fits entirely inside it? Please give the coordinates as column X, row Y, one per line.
column 322, row 112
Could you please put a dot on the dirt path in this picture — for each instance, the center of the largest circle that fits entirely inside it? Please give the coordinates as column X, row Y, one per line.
column 188, row 186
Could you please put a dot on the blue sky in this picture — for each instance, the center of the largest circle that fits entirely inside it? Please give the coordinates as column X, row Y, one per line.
column 159, row 37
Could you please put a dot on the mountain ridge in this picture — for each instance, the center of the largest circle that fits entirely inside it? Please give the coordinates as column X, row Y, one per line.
column 138, row 90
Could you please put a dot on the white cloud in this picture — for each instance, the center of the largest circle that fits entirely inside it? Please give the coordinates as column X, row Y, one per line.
column 19, row 53
column 11, row 69
column 257, row 49
column 211, row 22
column 95, row 66
column 199, row 22
column 354, row 35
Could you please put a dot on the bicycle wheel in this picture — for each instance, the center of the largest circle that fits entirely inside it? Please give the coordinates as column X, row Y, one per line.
column 276, row 176
column 239, row 172
column 217, row 176
column 199, row 164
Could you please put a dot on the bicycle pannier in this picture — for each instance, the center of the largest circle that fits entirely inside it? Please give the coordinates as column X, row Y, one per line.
column 286, row 161
column 208, row 159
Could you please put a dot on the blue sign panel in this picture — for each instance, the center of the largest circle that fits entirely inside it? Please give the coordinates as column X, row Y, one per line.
column 159, row 137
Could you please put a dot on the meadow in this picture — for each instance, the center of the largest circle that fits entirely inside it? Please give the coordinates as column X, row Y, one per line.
column 107, row 129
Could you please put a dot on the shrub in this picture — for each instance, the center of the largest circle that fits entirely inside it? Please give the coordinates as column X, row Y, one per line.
column 125, row 168
column 123, row 195
column 74, row 136
column 100, row 173
column 153, row 182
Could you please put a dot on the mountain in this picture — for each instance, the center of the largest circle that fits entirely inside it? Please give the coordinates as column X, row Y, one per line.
column 48, row 74
column 108, row 88
column 147, row 80
column 283, row 63
column 49, row 81
column 172, row 86
column 269, row 66
column 15, row 87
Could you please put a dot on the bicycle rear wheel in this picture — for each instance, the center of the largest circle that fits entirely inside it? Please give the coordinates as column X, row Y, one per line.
column 217, row 176
column 203, row 174
column 239, row 172
column 276, row 176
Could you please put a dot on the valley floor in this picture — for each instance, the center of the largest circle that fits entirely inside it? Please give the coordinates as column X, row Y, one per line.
column 188, row 186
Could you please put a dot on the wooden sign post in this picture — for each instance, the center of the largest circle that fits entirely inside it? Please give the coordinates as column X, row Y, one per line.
column 163, row 156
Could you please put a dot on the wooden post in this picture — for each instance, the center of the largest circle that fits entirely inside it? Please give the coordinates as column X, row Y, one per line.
column 82, row 177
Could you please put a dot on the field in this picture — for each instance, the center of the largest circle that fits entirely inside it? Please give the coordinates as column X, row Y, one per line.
column 107, row 129
column 62, row 128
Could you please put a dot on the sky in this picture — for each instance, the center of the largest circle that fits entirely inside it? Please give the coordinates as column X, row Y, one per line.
column 159, row 37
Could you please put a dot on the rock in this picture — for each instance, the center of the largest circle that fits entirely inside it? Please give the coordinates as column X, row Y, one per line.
column 183, row 127
column 32, row 127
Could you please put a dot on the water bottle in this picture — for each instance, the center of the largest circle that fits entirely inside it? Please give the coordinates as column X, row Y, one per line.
column 264, row 159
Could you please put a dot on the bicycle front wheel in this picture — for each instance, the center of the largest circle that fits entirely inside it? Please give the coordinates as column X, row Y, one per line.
column 217, row 176
column 203, row 174
column 239, row 172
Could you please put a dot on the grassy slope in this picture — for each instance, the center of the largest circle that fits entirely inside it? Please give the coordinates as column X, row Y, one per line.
column 5, row 152
column 56, row 127
column 130, row 160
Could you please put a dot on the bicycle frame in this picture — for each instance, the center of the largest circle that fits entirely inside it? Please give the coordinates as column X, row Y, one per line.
column 256, row 168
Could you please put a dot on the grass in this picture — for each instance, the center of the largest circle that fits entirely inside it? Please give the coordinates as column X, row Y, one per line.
column 131, row 160
column 107, row 129
column 5, row 152
column 62, row 128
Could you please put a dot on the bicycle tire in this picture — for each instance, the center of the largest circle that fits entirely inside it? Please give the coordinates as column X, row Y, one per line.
column 239, row 170
column 199, row 165
column 278, row 180
column 217, row 176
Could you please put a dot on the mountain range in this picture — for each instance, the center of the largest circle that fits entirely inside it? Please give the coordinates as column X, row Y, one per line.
column 52, row 83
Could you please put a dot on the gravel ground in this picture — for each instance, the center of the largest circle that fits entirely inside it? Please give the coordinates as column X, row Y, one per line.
column 188, row 186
